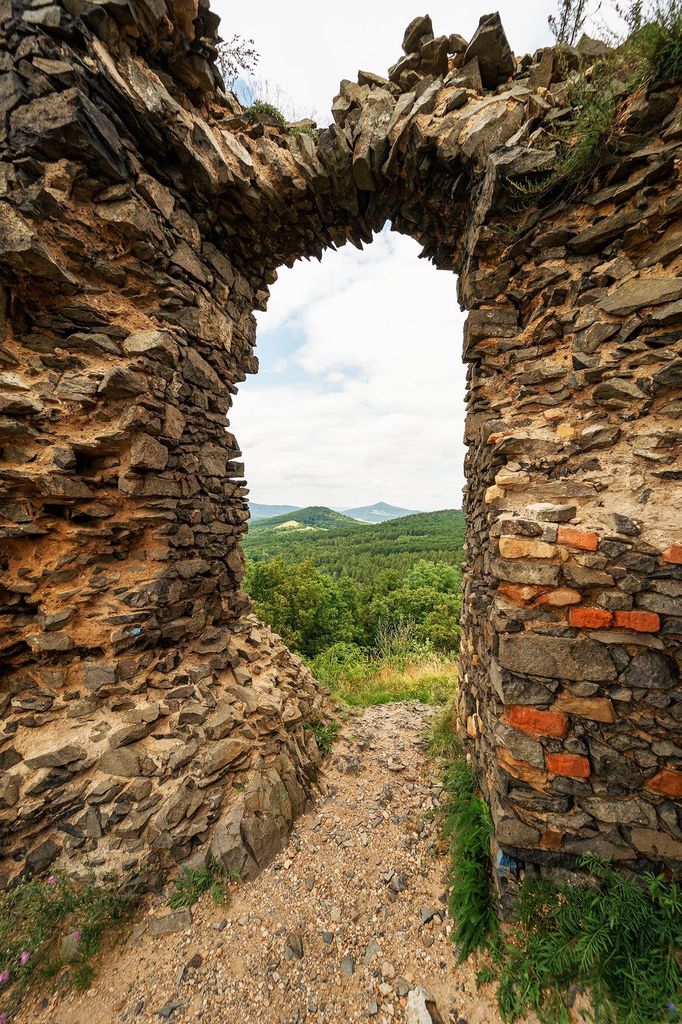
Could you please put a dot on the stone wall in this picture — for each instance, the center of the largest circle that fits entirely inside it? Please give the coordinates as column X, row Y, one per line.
column 147, row 718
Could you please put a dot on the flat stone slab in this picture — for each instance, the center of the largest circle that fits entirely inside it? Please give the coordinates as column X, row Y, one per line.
column 556, row 657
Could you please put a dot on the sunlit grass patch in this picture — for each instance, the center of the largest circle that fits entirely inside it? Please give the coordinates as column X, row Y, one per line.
column 431, row 681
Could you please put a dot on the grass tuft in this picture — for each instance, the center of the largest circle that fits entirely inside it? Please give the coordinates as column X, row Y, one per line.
column 325, row 733
column 262, row 107
column 193, row 883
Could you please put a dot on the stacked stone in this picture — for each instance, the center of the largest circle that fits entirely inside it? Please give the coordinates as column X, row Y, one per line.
column 143, row 217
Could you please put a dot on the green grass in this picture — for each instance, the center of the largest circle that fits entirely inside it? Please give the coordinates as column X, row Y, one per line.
column 430, row 683
column 467, row 827
column 325, row 733
column 620, row 938
column 51, row 928
column 398, row 668
column 193, row 883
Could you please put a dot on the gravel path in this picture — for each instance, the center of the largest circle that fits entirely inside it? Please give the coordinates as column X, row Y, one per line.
column 348, row 924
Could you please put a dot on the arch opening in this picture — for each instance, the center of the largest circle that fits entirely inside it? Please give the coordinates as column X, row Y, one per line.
column 149, row 720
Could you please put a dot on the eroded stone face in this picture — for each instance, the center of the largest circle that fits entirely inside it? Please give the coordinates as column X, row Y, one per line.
column 147, row 719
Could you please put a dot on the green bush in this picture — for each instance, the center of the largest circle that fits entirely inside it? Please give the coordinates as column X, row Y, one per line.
column 52, row 928
column 262, row 107
column 468, row 826
column 650, row 57
column 620, row 938
column 656, row 43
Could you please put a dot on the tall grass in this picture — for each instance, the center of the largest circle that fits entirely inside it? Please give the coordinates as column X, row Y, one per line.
column 467, row 827
column 399, row 667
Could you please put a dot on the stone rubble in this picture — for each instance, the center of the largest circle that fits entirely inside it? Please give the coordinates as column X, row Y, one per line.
column 143, row 217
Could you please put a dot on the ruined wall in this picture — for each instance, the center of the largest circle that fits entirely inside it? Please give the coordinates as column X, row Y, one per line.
column 146, row 717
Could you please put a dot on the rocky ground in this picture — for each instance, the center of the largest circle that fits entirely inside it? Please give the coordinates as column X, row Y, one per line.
column 348, row 923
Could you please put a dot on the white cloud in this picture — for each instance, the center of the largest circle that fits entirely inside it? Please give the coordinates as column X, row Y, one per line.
column 387, row 328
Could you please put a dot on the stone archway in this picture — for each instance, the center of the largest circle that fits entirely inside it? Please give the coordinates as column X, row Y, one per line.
column 148, row 719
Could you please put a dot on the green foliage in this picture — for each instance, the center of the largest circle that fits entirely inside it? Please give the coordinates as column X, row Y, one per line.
column 52, row 928
column 650, row 57
column 620, row 938
column 308, row 609
column 193, row 883
column 468, row 827
column 325, row 733
column 656, row 43
column 262, row 107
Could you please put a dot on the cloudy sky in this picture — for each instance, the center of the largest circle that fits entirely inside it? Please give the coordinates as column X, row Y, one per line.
column 360, row 395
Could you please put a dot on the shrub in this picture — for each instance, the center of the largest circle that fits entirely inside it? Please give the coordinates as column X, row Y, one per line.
column 467, row 826
column 619, row 938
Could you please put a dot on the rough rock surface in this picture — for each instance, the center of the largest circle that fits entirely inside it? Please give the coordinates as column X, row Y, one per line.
column 143, row 217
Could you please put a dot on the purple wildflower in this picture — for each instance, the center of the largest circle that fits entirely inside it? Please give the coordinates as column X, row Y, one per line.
column 77, row 935
column 52, row 880
column 4, row 1019
column 4, row 977
column 25, row 957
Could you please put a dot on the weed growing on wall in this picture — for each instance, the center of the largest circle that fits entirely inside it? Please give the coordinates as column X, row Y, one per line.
column 649, row 58
column 325, row 733
column 51, row 928
column 620, row 938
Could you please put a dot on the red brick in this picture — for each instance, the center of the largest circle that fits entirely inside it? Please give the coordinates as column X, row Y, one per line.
column 585, row 539
column 667, row 782
column 544, row 723
column 641, row 622
column 590, row 618
column 673, row 554
column 517, row 593
column 573, row 766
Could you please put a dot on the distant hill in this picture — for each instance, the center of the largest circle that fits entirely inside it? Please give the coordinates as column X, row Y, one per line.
column 267, row 511
column 350, row 548
column 379, row 513
column 314, row 517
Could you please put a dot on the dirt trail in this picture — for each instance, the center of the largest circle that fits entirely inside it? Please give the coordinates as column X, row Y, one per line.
column 359, row 892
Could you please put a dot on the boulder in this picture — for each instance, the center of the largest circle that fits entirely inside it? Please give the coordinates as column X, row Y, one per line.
column 489, row 46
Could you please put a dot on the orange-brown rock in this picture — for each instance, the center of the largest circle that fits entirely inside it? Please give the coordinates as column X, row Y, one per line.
column 544, row 723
